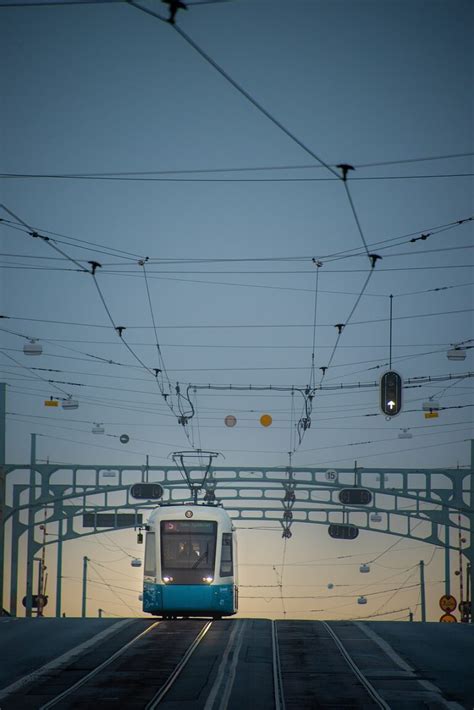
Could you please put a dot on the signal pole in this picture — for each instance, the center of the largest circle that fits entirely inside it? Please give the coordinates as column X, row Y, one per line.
column 31, row 529
column 84, row 585
column 42, row 570
column 422, row 590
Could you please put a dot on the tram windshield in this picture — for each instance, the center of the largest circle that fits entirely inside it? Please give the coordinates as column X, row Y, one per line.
column 188, row 550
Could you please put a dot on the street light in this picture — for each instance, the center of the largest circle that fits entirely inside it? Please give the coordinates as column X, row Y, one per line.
column 70, row 403
column 456, row 353
column 432, row 405
column 32, row 347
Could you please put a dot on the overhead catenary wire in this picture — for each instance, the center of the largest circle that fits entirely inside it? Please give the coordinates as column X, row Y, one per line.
column 391, row 242
column 144, row 177
column 94, row 266
column 194, row 326
column 35, row 375
column 238, row 87
column 161, row 361
column 312, row 379
column 76, row 241
column 75, row 173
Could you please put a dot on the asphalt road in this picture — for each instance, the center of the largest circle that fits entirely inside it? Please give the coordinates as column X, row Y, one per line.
column 410, row 665
column 442, row 653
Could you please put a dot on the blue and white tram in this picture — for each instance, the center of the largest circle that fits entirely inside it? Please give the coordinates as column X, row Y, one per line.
column 190, row 562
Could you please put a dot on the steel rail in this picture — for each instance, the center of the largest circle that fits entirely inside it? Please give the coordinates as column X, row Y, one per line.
column 178, row 669
column 277, row 676
column 356, row 670
column 54, row 701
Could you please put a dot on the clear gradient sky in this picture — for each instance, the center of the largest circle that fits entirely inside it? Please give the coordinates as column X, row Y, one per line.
column 107, row 89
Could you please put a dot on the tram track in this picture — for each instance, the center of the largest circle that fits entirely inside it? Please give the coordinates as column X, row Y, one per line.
column 317, row 670
column 199, row 664
column 137, row 675
column 156, row 700
column 87, row 678
column 376, row 697
column 276, row 667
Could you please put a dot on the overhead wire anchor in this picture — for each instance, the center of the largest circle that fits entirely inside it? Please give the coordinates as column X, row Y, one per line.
column 174, row 6
column 94, row 266
column 340, row 327
column 120, row 329
column 345, row 167
column 374, row 258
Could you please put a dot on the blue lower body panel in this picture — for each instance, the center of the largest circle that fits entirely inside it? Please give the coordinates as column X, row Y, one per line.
column 192, row 599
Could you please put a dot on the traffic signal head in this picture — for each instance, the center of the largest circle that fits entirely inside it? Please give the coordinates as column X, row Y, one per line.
column 391, row 393
column 146, row 491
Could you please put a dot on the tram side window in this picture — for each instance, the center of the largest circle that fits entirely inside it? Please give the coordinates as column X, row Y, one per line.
column 226, row 556
column 150, row 555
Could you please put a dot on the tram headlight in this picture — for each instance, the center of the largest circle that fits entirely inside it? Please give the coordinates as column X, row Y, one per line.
column 167, row 580
column 208, row 580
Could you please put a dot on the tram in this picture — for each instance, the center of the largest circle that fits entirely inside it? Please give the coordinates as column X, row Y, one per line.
column 190, row 562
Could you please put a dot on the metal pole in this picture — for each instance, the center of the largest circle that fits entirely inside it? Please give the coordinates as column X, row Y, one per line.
column 422, row 590
column 2, row 489
column 100, row 613
column 42, row 568
column 410, row 616
column 40, row 587
column 84, row 585
column 31, row 528
column 460, row 571
column 16, row 534
column 468, row 592
column 447, row 571
column 59, row 568
column 470, row 551
column 390, row 347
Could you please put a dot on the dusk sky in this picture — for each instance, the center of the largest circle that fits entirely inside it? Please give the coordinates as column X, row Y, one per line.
column 121, row 141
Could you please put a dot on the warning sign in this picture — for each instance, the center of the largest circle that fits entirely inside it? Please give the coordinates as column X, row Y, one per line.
column 448, row 602
column 449, row 619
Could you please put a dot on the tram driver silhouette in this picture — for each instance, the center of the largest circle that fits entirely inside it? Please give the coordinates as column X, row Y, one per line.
column 186, row 551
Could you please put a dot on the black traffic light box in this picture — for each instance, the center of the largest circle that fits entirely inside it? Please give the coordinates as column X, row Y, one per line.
column 343, row 531
column 391, row 393
column 355, row 496
column 146, row 491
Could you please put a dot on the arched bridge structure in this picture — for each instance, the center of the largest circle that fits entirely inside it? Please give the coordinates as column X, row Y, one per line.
column 81, row 500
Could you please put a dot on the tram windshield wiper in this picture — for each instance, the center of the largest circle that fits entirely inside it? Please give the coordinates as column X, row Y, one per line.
column 201, row 558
